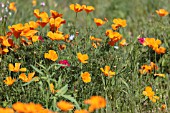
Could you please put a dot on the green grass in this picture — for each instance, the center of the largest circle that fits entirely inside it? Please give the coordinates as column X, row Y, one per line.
column 123, row 91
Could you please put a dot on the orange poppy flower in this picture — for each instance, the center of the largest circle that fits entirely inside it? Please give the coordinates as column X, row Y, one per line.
column 119, row 22
column 32, row 25
column 55, row 36
column 123, row 43
column 107, row 71
column 16, row 29
column 81, row 111
column 99, row 22
column 9, row 81
column 55, row 14
column 6, row 110
column 151, row 94
column 160, row 50
column 55, row 23
column 16, row 68
column 28, row 33
column 88, row 9
column 51, row 55
column 65, row 106
column 86, row 77
column 96, row 102
column 6, row 43
column 162, row 12
column 95, row 39
column 34, row 38
column 37, row 13
column 12, row 6
column 82, row 57
column 4, row 51
column 24, row 78
column 76, row 7
column 27, row 107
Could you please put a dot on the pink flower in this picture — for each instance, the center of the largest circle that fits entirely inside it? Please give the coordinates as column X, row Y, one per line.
column 141, row 40
column 64, row 62
column 41, row 39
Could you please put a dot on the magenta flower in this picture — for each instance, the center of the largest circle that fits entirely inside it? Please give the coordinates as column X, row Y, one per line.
column 41, row 39
column 64, row 62
column 141, row 40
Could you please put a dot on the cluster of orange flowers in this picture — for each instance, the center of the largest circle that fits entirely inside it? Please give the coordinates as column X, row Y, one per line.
column 78, row 8
column 115, row 36
column 149, row 68
column 9, row 81
column 155, row 45
column 25, row 108
column 95, row 102
column 150, row 94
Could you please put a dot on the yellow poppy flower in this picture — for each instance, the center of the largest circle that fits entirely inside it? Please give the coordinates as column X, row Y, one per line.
column 16, row 68
column 150, row 94
column 82, row 57
column 9, row 81
column 12, row 6
column 162, row 12
column 51, row 55
column 107, row 71
column 86, row 77
column 24, row 78
column 99, row 22
column 123, row 43
column 76, row 7
column 88, row 9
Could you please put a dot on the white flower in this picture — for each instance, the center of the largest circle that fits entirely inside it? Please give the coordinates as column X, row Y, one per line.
column 116, row 47
column 71, row 37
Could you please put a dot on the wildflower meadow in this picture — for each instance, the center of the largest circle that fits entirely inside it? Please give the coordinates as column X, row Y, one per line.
column 84, row 56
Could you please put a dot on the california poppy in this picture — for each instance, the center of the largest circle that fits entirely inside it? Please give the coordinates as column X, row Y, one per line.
column 86, row 77
column 16, row 68
column 65, row 106
column 82, row 57
column 76, row 7
column 9, row 81
column 96, row 102
column 99, row 22
column 51, row 55
column 162, row 12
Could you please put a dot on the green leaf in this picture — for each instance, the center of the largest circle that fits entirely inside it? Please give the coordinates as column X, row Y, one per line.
column 56, row 64
column 37, row 70
column 62, row 91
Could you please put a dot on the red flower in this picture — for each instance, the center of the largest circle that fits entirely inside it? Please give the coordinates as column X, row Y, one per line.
column 64, row 62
